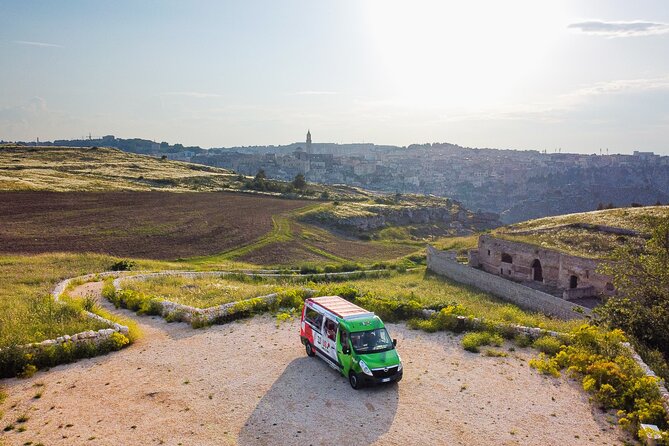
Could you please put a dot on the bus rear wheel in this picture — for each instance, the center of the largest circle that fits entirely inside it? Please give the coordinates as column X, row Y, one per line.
column 310, row 349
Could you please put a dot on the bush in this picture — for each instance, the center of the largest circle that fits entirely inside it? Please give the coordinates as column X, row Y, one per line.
column 28, row 371
column 444, row 319
column 390, row 310
column 608, row 372
column 24, row 362
column 522, row 340
column 548, row 344
column 117, row 341
column 136, row 301
column 122, row 265
column 472, row 341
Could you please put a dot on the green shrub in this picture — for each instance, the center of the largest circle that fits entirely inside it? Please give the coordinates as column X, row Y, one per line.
column 122, row 265
column 89, row 303
column 117, row 341
column 546, row 365
column 391, row 310
column 495, row 353
column 24, row 362
column 522, row 340
column 28, row 371
column 472, row 341
column 548, row 344
column 175, row 316
column 108, row 290
column 198, row 321
column 137, row 301
column 444, row 319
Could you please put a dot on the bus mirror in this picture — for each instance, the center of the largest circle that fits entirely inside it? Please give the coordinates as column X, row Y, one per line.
column 395, row 342
column 346, row 350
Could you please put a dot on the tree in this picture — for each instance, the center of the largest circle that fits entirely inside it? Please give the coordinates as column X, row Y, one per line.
column 299, row 182
column 259, row 182
column 641, row 304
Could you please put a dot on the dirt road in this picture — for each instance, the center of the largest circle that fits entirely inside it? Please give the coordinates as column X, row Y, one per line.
column 250, row 383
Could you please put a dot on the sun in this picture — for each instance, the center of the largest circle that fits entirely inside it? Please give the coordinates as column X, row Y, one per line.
column 461, row 53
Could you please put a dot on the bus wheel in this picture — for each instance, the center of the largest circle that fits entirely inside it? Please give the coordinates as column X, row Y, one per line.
column 353, row 380
column 310, row 349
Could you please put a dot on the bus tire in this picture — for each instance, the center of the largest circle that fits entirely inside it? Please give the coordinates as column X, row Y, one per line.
column 310, row 349
column 353, row 380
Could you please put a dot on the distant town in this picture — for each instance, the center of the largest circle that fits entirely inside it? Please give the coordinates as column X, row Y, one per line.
column 516, row 184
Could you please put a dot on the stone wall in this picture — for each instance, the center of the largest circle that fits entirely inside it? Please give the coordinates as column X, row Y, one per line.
column 441, row 263
column 526, row 262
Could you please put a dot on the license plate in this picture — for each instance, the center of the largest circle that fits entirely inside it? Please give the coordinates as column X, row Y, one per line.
column 385, row 380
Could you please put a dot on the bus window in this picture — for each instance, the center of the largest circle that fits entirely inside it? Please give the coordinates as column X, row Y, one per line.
column 330, row 329
column 314, row 318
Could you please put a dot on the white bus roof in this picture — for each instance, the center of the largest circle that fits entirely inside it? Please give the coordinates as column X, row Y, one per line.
column 340, row 307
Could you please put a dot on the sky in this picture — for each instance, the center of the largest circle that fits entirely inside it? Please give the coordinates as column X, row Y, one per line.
column 576, row 76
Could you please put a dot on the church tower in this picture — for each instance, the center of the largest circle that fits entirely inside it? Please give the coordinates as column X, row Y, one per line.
column 308, row 141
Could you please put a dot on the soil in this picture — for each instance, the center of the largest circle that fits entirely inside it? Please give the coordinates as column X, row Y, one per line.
column 158, row 225
column 281, row 253
column 250, row 383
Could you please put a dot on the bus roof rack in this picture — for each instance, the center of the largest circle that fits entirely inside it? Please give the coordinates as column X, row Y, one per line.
column 341, row 307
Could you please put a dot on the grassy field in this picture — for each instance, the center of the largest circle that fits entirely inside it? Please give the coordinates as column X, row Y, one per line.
column 565, row 233
column 427, row 289
column 201, row 292
column 27, row 312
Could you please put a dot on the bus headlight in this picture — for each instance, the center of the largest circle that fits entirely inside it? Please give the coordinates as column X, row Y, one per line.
column 364, row 368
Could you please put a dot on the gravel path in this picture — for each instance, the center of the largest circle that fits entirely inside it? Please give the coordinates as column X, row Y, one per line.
column 250, row 383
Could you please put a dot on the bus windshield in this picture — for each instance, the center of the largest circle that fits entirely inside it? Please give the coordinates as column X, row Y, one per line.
column 371, row 341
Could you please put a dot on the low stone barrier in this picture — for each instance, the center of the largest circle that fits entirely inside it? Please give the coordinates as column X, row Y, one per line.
column 183, row 313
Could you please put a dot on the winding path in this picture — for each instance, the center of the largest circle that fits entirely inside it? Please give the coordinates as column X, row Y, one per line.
column 250, row 382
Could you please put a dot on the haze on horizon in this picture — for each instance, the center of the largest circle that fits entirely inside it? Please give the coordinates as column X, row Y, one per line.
column 580, row 76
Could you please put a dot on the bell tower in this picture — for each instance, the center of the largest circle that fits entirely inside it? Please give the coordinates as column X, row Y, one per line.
column 308, row 141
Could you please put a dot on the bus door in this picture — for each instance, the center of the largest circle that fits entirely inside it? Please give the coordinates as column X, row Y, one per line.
column 329, row 338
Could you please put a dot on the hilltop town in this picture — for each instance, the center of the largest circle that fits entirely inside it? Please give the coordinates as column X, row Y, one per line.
column 518, row 185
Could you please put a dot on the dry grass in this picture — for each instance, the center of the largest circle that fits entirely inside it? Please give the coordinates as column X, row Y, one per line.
column 27, row 311
column 102, row 169
column 560, row 234
column 201, row 292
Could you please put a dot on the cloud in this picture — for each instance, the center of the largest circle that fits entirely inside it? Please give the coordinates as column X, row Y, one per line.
column 193, row 94
column 42, row 44
column 620, row 29
column 622, row 86
column 316, row 93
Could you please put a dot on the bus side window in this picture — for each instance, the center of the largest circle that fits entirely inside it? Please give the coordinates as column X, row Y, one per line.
column 314, row 318
column 330, row 329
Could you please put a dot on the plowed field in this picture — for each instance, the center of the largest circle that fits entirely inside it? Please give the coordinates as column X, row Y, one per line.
column 156, row 225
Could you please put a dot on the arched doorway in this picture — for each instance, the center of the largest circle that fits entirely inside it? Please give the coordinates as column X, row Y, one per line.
column 573, row 282
column 537, row 272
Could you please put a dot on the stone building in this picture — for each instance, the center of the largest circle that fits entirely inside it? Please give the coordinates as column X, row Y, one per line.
column 574, row 276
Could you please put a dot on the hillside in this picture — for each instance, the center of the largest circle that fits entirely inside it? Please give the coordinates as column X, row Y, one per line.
column 100, row 169
column 414, row 217
column 590, row 234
